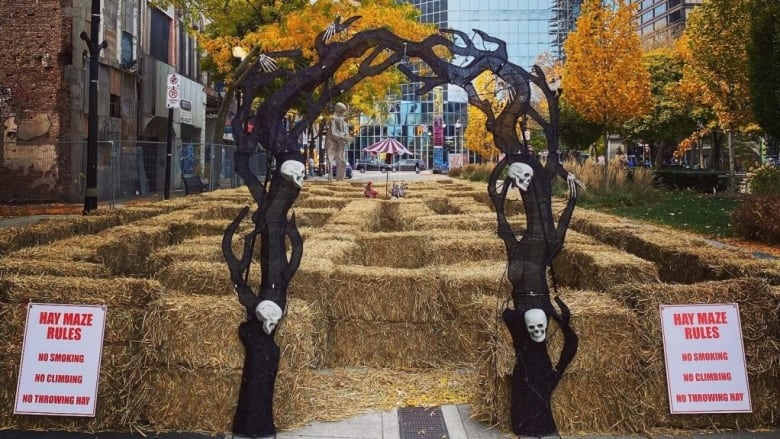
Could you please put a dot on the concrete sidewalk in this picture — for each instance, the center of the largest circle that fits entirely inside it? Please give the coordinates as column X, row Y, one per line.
column 384, row 425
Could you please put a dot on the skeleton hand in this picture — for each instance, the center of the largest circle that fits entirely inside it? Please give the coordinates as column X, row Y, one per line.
column 266, row 63
column 330, row 31
column 572, row 181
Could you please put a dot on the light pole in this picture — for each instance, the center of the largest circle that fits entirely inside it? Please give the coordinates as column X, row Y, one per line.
column 91, row 192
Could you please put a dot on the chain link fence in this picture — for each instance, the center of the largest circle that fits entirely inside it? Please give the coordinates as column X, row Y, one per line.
column 125, row 170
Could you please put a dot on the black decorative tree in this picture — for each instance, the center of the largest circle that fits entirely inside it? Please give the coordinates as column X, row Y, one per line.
column 277, row 83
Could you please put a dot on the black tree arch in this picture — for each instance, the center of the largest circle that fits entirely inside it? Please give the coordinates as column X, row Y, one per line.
column 280, row 82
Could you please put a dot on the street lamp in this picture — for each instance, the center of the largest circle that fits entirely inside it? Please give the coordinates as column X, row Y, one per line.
column 458, row 143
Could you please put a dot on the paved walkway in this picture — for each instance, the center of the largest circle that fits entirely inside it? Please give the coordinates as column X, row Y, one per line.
column 383, row 425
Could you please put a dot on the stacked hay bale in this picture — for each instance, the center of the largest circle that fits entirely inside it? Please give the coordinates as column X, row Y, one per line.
column 760, row 318
column 195, row 359
column 680, row 257
column 585, row 263
column 598, row 391
column 119, row 404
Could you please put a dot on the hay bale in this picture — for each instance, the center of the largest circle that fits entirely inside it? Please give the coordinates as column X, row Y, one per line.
column 597, row 267
column 760, row 319
column 322, row 203
column 317, row 217
column 205, row 399
column 394, row 345
column 312, row 281
column 351, row 217
column 76, row 249
column 679, row 256
column 467, row 246
column 475, row 279
column 484, row 222
column 17, row 266
column 125, row 249
column 42, row 232
column 202, row 248
column 607, row 335
column 197, row 277
column 122, row 325
column 390, row 295
column 116, row 292
column 194, row 332
column 119, row 398
column 218, row 210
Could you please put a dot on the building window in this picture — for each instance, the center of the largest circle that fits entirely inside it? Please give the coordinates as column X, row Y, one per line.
column 160, row 36
column 114, row 107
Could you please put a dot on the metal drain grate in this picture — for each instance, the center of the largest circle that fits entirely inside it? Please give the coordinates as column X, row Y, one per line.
column 422, row 423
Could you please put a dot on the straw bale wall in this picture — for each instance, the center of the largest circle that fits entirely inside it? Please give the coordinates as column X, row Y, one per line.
column 396, row 302
column 598, row 390
column 759, row 308
column 598, row 266
column 679, row 256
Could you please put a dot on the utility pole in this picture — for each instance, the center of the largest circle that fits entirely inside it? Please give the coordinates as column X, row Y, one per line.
column 91, row 192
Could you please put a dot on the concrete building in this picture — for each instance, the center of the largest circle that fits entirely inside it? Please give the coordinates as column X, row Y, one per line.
column 44, row 70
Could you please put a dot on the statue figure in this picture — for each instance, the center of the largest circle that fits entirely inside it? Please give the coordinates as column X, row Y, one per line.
column 337, row 140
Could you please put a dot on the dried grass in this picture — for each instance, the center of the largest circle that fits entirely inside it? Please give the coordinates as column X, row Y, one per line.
column 598, row 266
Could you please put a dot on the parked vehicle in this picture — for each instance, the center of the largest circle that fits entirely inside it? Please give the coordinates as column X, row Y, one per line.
column 363, row 165
column 347, row 173
column 409, row 165
column 441, row 168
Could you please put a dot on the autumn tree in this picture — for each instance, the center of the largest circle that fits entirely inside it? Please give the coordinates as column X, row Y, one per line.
column 259, row 27
column 716, row 60
column 476, row 135
column 764, row 64
column 673, row 117
column 603, row 77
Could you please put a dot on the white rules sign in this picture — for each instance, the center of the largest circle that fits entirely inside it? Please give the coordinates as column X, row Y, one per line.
column 705, row 359
column 60, row 365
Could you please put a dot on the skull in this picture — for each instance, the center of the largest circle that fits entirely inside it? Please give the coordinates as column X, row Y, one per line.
column 536, row 323
column 522, row 174
column 293, row 171
column 269, row 313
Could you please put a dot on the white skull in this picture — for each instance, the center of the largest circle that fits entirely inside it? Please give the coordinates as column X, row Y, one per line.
column 522, row 174
column 269, row 313
column 293, row 171
column 536, row 323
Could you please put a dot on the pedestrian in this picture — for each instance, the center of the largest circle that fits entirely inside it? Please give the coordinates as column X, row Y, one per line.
column 311, row 166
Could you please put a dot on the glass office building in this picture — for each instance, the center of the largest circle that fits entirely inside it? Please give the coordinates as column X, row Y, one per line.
column 414, row 120
column 661, row 22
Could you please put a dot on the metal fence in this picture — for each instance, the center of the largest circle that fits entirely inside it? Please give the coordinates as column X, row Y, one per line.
column 125, row 169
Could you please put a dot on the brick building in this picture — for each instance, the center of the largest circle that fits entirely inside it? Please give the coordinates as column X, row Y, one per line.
column 44, row 71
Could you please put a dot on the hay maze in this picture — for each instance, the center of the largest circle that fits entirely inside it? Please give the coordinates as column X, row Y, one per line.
column 396, row 303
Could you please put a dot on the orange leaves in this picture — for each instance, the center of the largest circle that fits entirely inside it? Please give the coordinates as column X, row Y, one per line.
column 604, row 79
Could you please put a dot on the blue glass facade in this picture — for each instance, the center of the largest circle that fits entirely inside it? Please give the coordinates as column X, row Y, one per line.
column 523, row 24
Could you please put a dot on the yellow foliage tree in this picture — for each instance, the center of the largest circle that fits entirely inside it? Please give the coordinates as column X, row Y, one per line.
column 716, row 70
column 294, row 25
column 603, row 76
column 476, row 135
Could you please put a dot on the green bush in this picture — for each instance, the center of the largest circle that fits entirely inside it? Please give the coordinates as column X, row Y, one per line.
column 696, row 180
column 764, row 180
column 757, row 218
